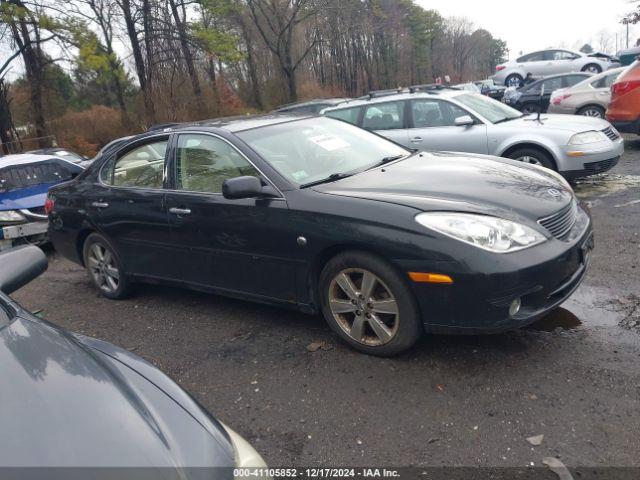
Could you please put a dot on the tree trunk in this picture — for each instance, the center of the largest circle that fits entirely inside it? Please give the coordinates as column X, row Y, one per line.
column 188, row 57
column 141, row 72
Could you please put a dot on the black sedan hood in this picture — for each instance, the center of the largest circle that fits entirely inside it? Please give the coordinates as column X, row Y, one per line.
column 64, row 404
column 459, row 182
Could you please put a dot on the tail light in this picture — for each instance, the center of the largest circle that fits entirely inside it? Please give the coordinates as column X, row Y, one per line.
column 48, row 205
column 622, row 88
column 500, row 67
column 559, row 99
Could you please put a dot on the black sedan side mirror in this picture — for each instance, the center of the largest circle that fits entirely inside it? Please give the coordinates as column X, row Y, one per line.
column 19, row 266
column 242, row 187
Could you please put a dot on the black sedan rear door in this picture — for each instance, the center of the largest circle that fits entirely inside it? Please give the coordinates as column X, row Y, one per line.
column 129, row 208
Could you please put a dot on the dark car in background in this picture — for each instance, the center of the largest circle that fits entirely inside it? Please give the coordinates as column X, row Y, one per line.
column 536, row 95
column 310, row 106
column 77, row 407
column 320, row 215
column 109, row 147
column 24, row 182
column 60, row 153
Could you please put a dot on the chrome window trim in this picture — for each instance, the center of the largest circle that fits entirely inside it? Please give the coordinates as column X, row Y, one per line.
column 196, row 132
column 164, row 170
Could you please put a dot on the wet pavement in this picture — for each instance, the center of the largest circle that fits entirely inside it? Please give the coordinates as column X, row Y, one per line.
column 573, row 377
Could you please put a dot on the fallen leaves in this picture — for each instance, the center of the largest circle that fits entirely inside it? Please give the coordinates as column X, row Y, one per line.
column 319, row 345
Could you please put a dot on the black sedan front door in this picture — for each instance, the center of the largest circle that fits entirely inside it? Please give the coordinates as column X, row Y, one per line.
column 129, row 209
column 238, row 245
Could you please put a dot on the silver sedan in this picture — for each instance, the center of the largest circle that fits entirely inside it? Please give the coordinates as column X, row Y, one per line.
column 454, row 120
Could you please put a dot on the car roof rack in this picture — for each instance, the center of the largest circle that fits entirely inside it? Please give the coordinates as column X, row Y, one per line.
column 381, row 93
column 430, row 87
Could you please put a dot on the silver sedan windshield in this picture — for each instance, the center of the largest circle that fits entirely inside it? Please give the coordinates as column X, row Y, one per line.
column 309, row 150
column 490, row 109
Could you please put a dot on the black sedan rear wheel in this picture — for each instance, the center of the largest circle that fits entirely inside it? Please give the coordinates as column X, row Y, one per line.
column 104, row 267
column 368, row 304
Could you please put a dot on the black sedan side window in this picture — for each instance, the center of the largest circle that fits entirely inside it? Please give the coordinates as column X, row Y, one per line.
column 204, row 162
column 141, row 167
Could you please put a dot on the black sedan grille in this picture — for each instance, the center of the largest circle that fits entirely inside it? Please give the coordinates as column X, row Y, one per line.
column 559, row 224
column 611, row 133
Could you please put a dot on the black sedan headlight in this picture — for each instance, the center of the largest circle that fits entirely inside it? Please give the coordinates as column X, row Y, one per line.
column 482, row 231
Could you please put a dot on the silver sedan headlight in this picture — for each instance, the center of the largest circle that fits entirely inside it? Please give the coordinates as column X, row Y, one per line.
column 587, row 137
column 11, row 216
column 482, row 231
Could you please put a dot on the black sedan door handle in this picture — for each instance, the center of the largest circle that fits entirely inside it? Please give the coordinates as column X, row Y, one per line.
column 180, row 211
column 100, row 205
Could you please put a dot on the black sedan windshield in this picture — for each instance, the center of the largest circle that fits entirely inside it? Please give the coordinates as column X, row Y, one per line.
column 310, row 150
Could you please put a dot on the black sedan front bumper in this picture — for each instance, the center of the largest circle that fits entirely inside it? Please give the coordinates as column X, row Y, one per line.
column 478, row 301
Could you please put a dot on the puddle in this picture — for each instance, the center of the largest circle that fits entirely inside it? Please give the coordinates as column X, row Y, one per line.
column 605, row 184
column 587, row 307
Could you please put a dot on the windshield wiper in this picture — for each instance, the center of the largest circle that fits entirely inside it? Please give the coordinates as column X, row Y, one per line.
column 331, row 178
column 386, row 160
column 507, row 119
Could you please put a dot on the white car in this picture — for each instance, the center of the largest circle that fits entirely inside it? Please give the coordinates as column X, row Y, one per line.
column 590, row 97
column 550, row 62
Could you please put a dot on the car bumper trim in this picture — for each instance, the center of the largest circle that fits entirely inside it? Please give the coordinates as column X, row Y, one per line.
column 23, row 230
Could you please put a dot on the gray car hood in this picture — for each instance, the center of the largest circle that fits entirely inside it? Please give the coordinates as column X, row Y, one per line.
column 63, row 404
column 460, row 182
column 570, row 123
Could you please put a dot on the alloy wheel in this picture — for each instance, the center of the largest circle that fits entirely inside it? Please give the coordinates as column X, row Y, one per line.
column 103, row 267
column 364, row 307
column 592, row 112
column 529, row 159
column 592, row 69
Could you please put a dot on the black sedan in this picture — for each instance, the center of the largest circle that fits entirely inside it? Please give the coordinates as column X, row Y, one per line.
column 322, row 216
column 531, row 98
column 77, row 407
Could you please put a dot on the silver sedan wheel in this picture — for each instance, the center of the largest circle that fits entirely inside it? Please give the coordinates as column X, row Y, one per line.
column 592, row 112
column 364, row 307
column 592, row 69
column 529, row 159
column 103, row 267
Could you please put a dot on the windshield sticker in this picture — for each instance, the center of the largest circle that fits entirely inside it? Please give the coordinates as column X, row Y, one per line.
column 299, row 175
column 329, row 142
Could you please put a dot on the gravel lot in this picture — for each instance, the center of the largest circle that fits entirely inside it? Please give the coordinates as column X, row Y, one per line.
column 574, row 377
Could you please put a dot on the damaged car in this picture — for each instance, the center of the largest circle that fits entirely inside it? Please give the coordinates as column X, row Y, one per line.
column 24, row 182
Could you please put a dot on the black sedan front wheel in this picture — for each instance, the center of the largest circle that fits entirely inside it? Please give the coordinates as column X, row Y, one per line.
column 368, row 304
column 104, row 267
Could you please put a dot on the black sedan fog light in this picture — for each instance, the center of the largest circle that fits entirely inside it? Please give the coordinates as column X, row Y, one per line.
column 514, row 308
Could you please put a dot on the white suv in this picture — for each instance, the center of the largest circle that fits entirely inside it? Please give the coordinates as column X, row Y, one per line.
column 550, row 62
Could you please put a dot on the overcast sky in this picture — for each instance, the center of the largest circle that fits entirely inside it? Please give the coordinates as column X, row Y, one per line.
column 529, row 25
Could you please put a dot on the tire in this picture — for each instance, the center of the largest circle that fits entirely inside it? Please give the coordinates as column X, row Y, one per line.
column 595, row 111
column 592, row 68
column 513, row 80
column 528, row 108
column 106, row 273
column 532, row 155
column 385, row 323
